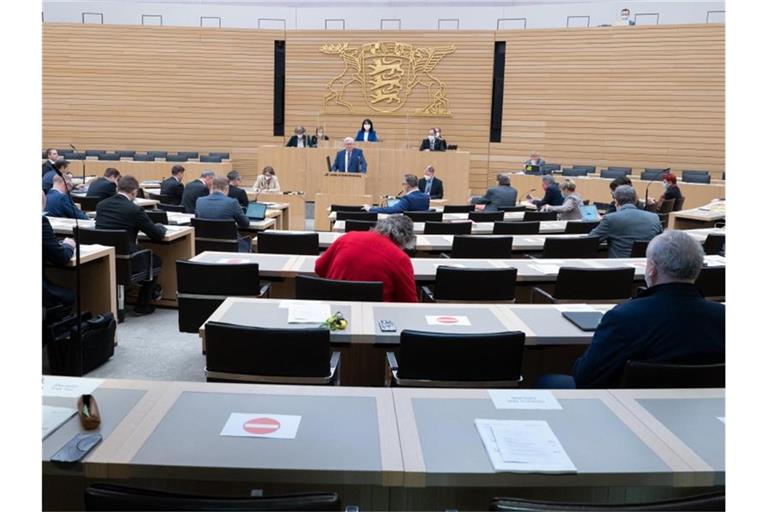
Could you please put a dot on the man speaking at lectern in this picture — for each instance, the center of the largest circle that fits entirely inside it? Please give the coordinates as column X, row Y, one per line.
column 350, row 159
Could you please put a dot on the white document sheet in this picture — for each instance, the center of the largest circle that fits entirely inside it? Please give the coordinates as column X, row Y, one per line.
column 595, row 264
column 447, row 320
column 276, row 426
column 54, row 417
column 545, row 269
column 308, row 313
column 69, row 387
column 527, row 446
column 573, row 307
column 714, row 260
column 523, row 399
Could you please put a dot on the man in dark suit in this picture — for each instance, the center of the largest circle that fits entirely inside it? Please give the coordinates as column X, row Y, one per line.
column 299, row 139
column 219, row 206
column 53, row 156
column 350, row 159
column 668, row 323
column 120, row 212
column 552, row 194
column 503, row 194
column 613, row 185
column 172, row 186
column 412, row 200
column 59, row 169
column 60, row 204
column 55, row 253
column 430, row 185
column 432, row 143
column 235, row 192
column 627, row 225
column 105, row 186
column 198, row 188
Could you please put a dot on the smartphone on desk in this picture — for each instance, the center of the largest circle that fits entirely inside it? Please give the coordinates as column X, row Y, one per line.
column 77, row 447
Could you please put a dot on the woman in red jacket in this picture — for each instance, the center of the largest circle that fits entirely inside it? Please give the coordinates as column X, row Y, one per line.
column 375, row 255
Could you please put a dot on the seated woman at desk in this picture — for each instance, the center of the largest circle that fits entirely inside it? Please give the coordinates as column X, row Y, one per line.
column 569, row 210
column 366, row 133
column 267, row 182
column 671, row 190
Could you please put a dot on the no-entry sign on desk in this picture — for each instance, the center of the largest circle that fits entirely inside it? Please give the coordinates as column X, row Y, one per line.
column 278, row 426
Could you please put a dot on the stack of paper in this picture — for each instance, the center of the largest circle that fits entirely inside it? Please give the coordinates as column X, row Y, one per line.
column 69, row 387
column 306, row 312
column 527, row 446
column 54, row 417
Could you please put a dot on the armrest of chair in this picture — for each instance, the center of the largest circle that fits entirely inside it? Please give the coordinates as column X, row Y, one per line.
column 444, row 255
column 335, row 367
column 264, row 290
column 392, row 361
column 427, row 295
column 545, row 296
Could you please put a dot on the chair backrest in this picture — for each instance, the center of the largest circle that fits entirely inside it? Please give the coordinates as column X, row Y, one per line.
column 458, row 208
column 425, row 216
column 714, row 243
column 476, row 246
column 171, row 208
column 275, row 242
column 627, row 170
column 696, row 178
column 359, row 225
column 108, row 156
column 650, row 375
column 224, row 156
column 578, row 227
column 638, row 248
column 460, row 357
column 163, row 198
column 529, row 216
column 679, row 202
column 158, row 216
column 447, row 228
column 653, row 174
column 486, row 216
column 711, row 282
column 118, row 497
column 581, row 247
column 594, row 283
column 699, row 503
column 176, row 158
column 516, row 228
column 589, row 168
column 210, row 159
column 216, row 229
column 356, row 215
column 126, row 153
column 75, row 156
column 245, row 350
column 613, row 173
column 117, row 238
column 346, row 208
column 158, row 154
column 188, row 154
column 143, row 158
column 87, row 203
column 94, row 152
column 548, row 168
column 574, row 172
column 666, row 206
column 475, row 284
column 318, row 288
column 520, row 208
column 692, row 172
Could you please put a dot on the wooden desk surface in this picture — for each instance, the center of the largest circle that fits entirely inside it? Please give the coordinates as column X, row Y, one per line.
column 710, row 212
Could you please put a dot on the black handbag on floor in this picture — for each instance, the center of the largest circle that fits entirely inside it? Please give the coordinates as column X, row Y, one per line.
column 98, row 343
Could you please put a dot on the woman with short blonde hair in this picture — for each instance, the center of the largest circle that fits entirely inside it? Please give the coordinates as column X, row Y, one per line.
column 569, row 210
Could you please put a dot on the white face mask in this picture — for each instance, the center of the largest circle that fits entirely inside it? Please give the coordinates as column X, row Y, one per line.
column 366, row 127
column 427, row 177
column 625, row 16
column 437, row 134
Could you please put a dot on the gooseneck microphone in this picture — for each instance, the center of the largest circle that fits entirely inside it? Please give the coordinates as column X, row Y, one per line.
column 660, row 173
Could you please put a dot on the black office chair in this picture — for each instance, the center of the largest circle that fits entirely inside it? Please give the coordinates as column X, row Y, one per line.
column 215, row 235
column 94, row 152
column 589, row 168
column 191, row 155
column 358, row 225
column 475, row 246
column 520, row 208
column 176, row 158
column 472, row 285
column 714, row 243
column 202, row 287
column 158, row 216
column 356, row 215
column 516, row 228
column 224, row 156
column 679, row 202
column 317, row 288
column 653, row 174
column 346, row 208
column 580, row 227
column 574, row 172
column 75, row 156
column 448, row 228
column 210, row 159
column 458, row 208
column 531, row 216
column 638, row 248
column 126, row 153
column 581, row 247
column 87, row 203
column 109, row 156
column 424, row 216
column 241, row 353
column 158, row 154
column 276, row 242
column 664, row 209
column 143, row 158
column 695, row 172
column 118, row 497
column 589, row 285
column 431, row 359
column 699, row 503
column 548, row 168
column 171, row 208
column 614, row 173
column 486, row 216
column 696, row 178
column 163, row 198
column 711, row 283
column 650, row 375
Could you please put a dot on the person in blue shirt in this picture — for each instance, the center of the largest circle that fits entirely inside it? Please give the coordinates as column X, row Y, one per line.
column 350, row 159
column 219, row 206
column 59, row 204
column 61, row 166
column 366, row 133
column 412, row 200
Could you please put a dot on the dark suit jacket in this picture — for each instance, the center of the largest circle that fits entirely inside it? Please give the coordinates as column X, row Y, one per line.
column 102, row 188
column 439, row 145
column 48, row 180
column 371, row 136
column 172, row 188
column 119, row 212
column 357, row 161
column 217, row 206
column 240, row 195
column 412, row 202
column 293, row 142
column 55, row 253
column 552, row 196
column 47, row 166
column 58, row 204
column 669, row 323
column 624, row 227
column 435, row 191
column 496, row 197
column 192, row 192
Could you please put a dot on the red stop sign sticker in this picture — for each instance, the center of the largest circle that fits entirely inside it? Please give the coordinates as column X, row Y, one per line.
column 261, row 425
column 447, row 319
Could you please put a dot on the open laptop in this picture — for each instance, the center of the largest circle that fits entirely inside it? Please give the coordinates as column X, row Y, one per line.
column 589, row 212
column 256, row 211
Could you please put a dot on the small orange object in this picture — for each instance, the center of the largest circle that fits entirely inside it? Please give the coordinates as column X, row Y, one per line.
column 88, row 411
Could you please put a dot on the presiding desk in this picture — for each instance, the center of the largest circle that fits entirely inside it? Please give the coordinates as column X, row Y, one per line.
column 704, row 216
column 380, row 449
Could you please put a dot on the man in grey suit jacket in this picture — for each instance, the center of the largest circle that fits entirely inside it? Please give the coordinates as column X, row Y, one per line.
column 218, row 206
column 627, row 224
column 504, row 194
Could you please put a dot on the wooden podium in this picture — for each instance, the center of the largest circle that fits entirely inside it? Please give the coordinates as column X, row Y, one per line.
column 350, row 183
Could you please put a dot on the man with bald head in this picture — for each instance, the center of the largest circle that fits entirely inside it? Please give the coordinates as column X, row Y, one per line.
column 350, row 159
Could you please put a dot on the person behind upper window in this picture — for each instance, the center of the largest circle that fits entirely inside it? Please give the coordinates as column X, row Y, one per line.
column 366, row 133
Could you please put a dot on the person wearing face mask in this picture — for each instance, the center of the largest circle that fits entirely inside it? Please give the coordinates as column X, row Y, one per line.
column 432, row 143
column 299, row 139
column 366, row 133
column 318, row 136
column 412, row 199
column 624, row 19
column 627, row 225
column 430, row 185
column 267, row 182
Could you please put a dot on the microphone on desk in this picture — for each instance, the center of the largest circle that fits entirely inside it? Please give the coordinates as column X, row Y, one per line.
column 658, row 174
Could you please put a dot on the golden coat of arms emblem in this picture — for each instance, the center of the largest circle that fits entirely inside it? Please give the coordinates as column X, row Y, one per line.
column 386, row 73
